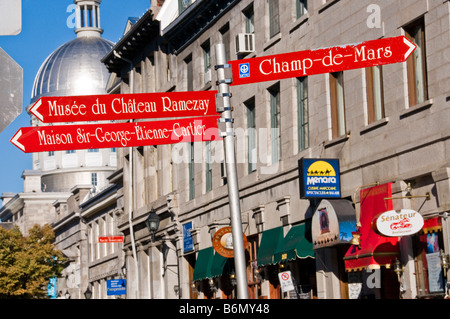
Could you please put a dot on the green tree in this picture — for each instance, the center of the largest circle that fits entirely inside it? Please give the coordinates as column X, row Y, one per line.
column 28, row 263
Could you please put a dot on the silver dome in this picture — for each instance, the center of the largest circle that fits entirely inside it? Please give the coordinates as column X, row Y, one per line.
column 74, row 69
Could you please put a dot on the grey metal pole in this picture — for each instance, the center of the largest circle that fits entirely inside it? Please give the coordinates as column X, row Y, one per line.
column 232, row 180
column 130, row 188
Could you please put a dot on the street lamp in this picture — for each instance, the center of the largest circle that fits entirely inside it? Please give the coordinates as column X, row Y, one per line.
column 152, row 223
column 88, row 293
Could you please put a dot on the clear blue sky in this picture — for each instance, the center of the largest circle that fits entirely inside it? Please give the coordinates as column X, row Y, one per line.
column 44, row 29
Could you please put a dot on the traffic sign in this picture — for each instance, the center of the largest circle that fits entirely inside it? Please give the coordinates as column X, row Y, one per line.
column 326, row 60
column 286, row 281
column 54, row 109
column 10, row 17
column 111, row 135
column 11, row 87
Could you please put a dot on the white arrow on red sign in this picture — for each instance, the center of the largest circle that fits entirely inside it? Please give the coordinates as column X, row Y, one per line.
column 58, row 109
column 327, row 60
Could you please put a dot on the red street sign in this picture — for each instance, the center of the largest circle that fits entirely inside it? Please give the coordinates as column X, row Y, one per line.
column 110, row 135
column 52, row 109
column 326, row 60
column 110, row 239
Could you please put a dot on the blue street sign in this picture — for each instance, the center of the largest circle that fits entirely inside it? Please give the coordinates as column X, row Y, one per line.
column 116, row 287
column 188, row 243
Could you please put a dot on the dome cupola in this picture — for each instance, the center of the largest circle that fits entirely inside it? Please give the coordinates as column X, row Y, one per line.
column 88, row 18
column 75, row 68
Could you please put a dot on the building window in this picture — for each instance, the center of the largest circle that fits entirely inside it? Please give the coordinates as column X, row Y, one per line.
column 302, row 113
column 191, row 172
column 337, row 104
column 251, row 131
column 375, row 98
column 275, row 121
column 93, row 150
column 249, row 18
column 70, row 152
column 208, row 166
column 428, row 246
column 416, row 64
column 94, row 179
column 225, row 34
column 301, row 7
column 51, row 153
column 274, row 18
column 189, row 73
column 206, row 47
column 183, row 5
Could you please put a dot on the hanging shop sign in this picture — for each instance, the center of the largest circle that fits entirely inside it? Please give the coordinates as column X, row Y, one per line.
column 333, row 223
column 319, row 178
column 223, row 242
column 397, row 223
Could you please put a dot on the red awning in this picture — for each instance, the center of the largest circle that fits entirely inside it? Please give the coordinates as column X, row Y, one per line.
column 374, row 250
column 432, row 225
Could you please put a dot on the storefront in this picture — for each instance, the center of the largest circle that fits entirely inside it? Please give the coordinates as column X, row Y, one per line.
column 333, row 223
column 213, row 275
column 287, row 263
column 369, row 263
column 431, row 262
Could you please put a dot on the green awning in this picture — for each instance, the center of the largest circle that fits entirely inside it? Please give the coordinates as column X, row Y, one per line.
column 221, row 265
column 203, row 264
column 269, row 241
column 295, row 244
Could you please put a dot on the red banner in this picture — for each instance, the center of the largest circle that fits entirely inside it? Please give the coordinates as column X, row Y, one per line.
column 53, row 109
column 374, row 250
column 327, row 60
column 93, row 136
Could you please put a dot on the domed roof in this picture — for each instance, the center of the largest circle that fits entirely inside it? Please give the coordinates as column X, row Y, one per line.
column 75, row 68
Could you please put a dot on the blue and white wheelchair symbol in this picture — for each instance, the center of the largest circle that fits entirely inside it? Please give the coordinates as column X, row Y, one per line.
column 244, row 70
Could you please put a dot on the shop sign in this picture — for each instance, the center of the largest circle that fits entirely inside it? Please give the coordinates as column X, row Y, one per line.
column 319, row 178
column 223, row 242
column 333, row 223
column 396, row 223
column 188, row 243
column 286, row 282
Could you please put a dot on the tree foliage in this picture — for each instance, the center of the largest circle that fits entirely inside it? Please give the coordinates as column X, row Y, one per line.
column 28, row 262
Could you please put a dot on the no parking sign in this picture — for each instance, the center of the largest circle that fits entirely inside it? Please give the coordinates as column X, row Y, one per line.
column 286, row 282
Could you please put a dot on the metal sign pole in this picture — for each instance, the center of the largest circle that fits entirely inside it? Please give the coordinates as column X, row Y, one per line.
column 232, row 181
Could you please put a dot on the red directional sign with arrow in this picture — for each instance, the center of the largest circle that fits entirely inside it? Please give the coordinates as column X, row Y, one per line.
column 110, row 135
column 326, row 60
column 54, row 109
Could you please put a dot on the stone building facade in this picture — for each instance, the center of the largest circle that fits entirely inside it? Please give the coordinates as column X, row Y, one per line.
column 388, row 126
